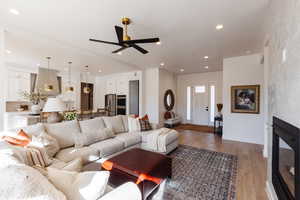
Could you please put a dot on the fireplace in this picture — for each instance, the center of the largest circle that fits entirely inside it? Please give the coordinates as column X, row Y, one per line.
column 286, row 160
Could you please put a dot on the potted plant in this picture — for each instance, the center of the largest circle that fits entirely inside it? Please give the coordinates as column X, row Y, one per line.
column 70, row 115
column 35, row 99
column 220, row 107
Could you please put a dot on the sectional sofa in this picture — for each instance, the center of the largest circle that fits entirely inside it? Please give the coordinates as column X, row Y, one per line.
column 82, row 139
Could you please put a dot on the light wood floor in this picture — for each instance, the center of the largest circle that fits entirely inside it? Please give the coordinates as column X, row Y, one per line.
column 251, row 176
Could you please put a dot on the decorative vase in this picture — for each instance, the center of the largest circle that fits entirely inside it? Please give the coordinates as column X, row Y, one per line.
column 35, row 109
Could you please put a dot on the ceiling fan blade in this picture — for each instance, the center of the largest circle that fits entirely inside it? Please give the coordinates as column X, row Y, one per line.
column 121, row 49
column 149, row 40
column 119, row 32
column 106, row 42
column 140, row 49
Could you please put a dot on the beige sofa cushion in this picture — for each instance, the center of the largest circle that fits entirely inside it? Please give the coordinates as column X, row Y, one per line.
column 133, row 124
column 79, row 186
column 24, row 182
column 129, row 139
column 87, row 154
column 64, row 132
column 114, row 123
column 92, row 137
column 92, row 125
column 125, row 122
column 170, row 137
column 73, row 165
column 108, row 147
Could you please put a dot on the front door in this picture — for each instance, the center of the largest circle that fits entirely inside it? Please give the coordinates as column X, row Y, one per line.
column 200, row 109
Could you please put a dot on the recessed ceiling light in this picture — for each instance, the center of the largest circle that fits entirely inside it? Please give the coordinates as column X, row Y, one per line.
column 8, row 51
column 99, row 70
column 206, row 67
column 162, row 64
column 219, row 26
column 14, row 11
column 205, row 57
column 158, row 43
column 119, row 53
column 182, row 70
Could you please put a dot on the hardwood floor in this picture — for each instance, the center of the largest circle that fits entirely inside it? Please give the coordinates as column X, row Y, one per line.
column 206, row 129
column 252, row 167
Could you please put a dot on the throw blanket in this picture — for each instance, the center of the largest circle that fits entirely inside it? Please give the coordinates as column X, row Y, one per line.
column 156, row 140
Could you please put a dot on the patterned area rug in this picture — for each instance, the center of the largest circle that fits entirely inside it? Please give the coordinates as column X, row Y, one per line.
column 199, row 174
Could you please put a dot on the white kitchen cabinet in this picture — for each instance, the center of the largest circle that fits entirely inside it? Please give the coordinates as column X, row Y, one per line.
column 17, row 83
column 122, row 86
column 111, row 86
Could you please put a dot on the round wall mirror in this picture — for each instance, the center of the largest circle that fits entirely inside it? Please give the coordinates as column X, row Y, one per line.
column 169, row 100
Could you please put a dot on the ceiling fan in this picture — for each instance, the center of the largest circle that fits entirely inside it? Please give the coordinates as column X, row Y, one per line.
column 125, row 40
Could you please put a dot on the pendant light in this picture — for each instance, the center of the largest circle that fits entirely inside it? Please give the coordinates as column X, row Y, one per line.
column 86, row 89
column 48, row 87
column 69, row 87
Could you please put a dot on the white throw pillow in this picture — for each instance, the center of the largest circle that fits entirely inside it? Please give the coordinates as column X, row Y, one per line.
column 114, row 123
column 134, row 124
column 6, row 149
column 23, row 182
column 47, row 141
column 35, row 129
column 79, row 186
column 64, row 132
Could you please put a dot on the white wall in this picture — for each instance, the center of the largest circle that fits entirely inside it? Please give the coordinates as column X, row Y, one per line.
column 183, row 81
column 167, row 80
column 2, row 78
column 151, row 94
column 282, row 31
column 244, row 70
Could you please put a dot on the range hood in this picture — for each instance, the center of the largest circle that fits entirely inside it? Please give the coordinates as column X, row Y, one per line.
column 47, row 76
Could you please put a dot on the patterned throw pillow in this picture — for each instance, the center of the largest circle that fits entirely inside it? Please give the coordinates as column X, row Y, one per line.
column 37, row 157
column 145, row 125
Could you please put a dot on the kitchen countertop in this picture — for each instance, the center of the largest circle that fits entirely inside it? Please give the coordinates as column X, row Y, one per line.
column 22, row 114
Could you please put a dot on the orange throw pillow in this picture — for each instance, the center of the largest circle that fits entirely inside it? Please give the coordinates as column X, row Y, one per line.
column 22, row 139
column 142, row 118
column 145, row 118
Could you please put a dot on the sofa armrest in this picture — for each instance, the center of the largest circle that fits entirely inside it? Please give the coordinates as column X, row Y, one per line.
column 127, row 191
column 154, row 126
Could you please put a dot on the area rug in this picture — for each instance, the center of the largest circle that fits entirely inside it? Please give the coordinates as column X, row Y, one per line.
column 199, row 174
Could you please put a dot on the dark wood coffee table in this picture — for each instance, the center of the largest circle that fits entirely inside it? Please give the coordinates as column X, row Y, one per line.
column 145, row 168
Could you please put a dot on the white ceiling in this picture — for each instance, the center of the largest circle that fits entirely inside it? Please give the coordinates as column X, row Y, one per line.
column 61, row 29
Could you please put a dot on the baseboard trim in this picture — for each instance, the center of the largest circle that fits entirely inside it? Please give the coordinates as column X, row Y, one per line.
column 270, row 191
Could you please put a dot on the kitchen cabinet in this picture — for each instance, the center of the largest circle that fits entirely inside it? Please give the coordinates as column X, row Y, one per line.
column 111, row 86
column 17, row 82
column 122, row 86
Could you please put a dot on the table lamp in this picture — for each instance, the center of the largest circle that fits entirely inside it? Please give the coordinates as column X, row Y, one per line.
column 54, row 106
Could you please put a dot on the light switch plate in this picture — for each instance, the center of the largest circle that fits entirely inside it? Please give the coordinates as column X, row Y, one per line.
column 283, row 55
